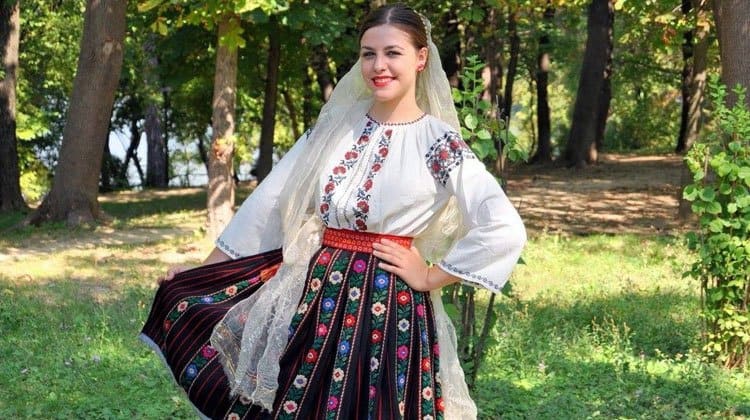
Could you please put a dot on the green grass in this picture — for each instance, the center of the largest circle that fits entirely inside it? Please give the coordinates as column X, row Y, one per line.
column 597, row 326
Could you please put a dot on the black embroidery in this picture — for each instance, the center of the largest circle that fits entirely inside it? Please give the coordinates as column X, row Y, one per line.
column 447, row 153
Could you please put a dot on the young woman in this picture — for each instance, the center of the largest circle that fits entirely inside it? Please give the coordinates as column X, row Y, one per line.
column 346, row 322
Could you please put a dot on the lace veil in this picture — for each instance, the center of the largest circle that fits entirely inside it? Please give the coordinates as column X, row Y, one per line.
column 252, row 336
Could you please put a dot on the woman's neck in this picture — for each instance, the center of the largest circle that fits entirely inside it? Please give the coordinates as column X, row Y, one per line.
column 403, row 111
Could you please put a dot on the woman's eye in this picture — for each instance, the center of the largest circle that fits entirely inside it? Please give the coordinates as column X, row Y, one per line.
column 367, row 54
column 393, row 53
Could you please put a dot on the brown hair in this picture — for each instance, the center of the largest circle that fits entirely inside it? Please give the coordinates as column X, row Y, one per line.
column 400, row 15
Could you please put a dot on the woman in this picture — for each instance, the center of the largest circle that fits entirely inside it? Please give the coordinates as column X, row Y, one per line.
column 348, row 322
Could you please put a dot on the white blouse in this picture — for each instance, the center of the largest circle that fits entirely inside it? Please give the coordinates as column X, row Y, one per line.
column 395, row 179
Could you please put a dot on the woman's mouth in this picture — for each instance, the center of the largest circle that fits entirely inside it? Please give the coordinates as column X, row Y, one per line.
column 381, row 81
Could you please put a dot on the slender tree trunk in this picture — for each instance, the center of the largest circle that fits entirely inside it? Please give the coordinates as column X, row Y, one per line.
column 733, row 27
column 73, row 196
column 157, row 175
column 220, row 185
column 694, row 54
column 131, row 153
column 265, row 158
column 544, row 141
column 307, row 112
column 605, row 95
column 292, row 110
column 10, row 186
column 319, row 63
column 108, row 170
column 510, row 77
column 450, row 53
column 590, row 85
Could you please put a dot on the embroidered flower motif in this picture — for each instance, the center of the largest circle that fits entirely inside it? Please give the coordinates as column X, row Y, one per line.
column 311, row 356
column 333, row 403
column 354, row 293
column 381, row 281
column 324, row 258
column 403, row 325
column 401, row 408
column 376, row 336
column 339, row 170
column 446, row 154
column 352, row 154
column 383, row 151
column 420, row 310
column 300, row 381
column 363, row 206
column 349, row 320
column 233, row 416
column 424, row 337
column 315, row 285
column 344, row 348
column 329, row 187
column 401, row 380
column 362, row 226
column 208, row 351
column 373, row 392
column 368, row 185
column 324, row 208
column 427, row 393
column 322, row 329
column 403, row 298
column 290, row 406
column 402, row 352
column 335, row 277
column 378, row 309
column 167, row 325
column 359, row 266
column 427, row 417
column 231, row 290
column 302, row 308
column 182, row 306
column 436, row 349
column 254, row 280
column 191, row 371
column 338, row 375
column 374, row 363
column 328, row 304
column 426, row 365
column 207, row 299
column 440, row 404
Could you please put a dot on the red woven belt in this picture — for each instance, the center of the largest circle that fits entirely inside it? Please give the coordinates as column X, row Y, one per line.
column 353, row 240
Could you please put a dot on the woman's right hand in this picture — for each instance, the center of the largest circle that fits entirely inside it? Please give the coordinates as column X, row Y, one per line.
column 173, row 271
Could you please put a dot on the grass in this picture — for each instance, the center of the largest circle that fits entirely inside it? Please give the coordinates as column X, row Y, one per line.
column 597, row 326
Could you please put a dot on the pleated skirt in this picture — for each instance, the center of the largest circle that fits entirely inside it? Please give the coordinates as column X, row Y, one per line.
column 362, row 343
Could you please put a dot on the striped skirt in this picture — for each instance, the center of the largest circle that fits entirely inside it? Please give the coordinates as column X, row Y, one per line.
column 362, row 343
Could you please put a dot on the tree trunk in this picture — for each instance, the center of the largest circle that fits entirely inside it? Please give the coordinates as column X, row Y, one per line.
column 10, row 186
column 544, row 141
column 591, row 82
column 307, row 112
column 292, row 110
column 220, row 201
column 510, row 77
column 135, row 140
column 694, row 53
column 265, row 158
column 493, row 72
column 157, row 174
column 734, row 44
column 605, row 95
column 450, row 53
column 73, row 196
column 319, row 64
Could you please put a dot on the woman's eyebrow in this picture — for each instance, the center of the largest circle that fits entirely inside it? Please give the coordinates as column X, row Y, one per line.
column 388, row 47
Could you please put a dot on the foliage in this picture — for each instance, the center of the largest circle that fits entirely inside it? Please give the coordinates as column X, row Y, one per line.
column 720, row 194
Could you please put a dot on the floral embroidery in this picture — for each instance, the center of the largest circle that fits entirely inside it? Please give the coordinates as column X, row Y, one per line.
column 447, row 153
column 362, row 207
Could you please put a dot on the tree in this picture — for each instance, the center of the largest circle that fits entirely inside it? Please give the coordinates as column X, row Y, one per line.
column 544, row 142
column 590, row 85
column 10, row 186
column 734, row 43
column 157, row 170
column 694, row 52
column 265, row 158
column 73, row 197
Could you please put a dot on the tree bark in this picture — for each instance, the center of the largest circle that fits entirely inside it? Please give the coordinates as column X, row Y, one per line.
column 510, row 77
column 10, row 175
column 73, row 197
column 694, row 54
column 733, row 27
column 220, row 201
column 319, row 63
column 591, row 82
column 543, row 152
column 450, row 53
column 131, row 153
column 265, row 158
column 292, row 110
column 605, row 95
column 157, row 173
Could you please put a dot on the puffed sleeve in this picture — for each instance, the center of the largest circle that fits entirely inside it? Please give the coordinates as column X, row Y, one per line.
column 495, row 236
column 256, row 227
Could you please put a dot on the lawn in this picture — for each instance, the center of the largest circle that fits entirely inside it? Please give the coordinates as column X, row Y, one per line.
column 597, row 326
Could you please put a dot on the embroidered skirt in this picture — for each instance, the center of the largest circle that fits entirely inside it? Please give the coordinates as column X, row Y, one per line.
column 362, row 343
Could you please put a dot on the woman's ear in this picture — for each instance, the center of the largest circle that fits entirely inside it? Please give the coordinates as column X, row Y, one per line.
column 422, row 58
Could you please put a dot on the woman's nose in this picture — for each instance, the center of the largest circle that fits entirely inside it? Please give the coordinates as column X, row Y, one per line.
column 379, row 64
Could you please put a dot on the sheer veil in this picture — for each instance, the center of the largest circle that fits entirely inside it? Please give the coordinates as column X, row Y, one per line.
column 252, row 336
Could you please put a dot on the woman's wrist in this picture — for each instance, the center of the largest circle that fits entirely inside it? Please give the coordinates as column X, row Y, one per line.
column 436, row 278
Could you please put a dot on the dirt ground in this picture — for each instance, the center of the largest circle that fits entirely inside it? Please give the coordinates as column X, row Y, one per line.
column 621, row 194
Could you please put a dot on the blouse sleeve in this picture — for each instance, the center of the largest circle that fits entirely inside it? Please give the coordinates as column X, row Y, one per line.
column 495, row 236
column 256, row 227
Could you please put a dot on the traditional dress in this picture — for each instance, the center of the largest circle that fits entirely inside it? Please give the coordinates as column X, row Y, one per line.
column 362, row 343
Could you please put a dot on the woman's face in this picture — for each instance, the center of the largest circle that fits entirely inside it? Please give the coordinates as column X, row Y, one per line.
column 390, row 63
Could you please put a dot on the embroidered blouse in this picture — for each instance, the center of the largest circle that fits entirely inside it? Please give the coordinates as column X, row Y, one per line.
column 395, row 179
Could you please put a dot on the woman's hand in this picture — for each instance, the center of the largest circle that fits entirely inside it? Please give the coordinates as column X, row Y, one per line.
column 408, row 264
column 173, row 271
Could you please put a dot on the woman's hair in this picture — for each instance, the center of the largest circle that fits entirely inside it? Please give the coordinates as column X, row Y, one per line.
column 400, row 15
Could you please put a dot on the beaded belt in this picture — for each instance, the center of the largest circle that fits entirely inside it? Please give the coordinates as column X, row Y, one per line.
column 357, row 241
